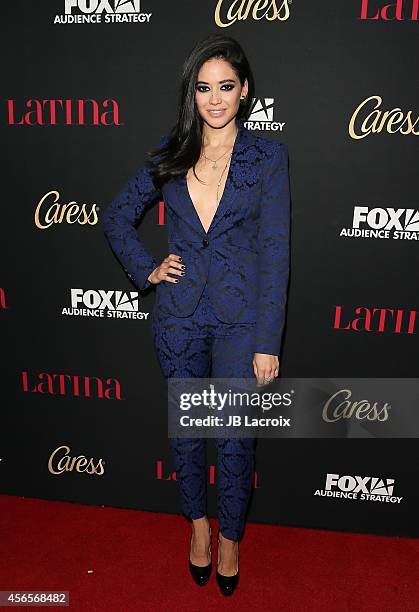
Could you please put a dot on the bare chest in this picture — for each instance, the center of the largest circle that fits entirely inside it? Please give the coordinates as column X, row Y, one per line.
column 206, row 193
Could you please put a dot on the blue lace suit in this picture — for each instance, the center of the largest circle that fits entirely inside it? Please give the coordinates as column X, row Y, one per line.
column 229, row 304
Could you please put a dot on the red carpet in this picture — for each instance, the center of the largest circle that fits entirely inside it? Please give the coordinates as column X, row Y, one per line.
column 139, row 562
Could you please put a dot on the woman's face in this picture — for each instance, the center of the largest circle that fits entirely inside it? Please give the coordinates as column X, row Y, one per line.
column 217, row 92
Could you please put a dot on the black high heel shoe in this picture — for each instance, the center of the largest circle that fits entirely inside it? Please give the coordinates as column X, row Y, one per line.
column 227, row 584
column 201, row 574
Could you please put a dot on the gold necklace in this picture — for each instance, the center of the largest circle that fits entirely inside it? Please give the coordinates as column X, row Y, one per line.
column 214, row 161
column 219, row 182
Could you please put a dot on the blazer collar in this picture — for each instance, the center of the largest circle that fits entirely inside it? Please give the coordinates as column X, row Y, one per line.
column 243, row 139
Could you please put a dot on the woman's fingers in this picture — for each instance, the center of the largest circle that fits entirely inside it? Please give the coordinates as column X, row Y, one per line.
column 266, row 368
column 172, row 264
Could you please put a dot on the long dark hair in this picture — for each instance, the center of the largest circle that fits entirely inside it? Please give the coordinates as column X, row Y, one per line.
column 183, row 148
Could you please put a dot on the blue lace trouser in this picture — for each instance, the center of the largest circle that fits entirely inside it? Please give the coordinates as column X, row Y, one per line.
column 202, row 346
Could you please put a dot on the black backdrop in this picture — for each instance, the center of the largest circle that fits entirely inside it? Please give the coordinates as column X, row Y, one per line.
column 313, row 69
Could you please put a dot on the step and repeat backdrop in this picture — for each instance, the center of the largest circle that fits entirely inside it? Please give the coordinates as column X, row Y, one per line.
column 88, row 87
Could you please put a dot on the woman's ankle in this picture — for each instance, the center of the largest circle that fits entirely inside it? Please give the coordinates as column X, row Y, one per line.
column 201, row 524
column 230, row 541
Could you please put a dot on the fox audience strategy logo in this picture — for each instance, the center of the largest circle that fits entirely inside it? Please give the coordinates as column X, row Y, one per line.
column 383, row 223
column 102, row 11
column 101, row 303
column 262, row 116
column 364, row 488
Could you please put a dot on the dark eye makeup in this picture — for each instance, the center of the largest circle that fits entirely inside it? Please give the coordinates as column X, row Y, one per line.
column 203, row 88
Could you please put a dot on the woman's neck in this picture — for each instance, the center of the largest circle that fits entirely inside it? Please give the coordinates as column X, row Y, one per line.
column 220, row 138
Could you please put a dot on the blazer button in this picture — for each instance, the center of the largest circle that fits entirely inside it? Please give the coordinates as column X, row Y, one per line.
column 205, row 242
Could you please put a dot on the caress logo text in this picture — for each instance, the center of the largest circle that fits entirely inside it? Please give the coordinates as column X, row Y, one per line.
column 341, row 405
column 61, row 461
column 50, row 211
column 369, row 118
column 228, row 12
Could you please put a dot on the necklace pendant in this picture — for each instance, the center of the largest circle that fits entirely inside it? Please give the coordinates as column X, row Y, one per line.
column 214, row 165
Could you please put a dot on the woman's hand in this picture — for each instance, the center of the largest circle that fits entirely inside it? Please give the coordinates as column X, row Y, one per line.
column 266, row 368
column 170, row 264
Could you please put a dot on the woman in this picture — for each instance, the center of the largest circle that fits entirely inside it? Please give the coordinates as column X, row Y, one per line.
column 221, row 291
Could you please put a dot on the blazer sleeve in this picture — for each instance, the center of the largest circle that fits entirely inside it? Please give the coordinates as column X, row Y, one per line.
column 273, row 240
column 120, row 219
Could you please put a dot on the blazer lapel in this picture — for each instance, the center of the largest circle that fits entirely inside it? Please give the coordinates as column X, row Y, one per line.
column 185, row 206
column 236, row 165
